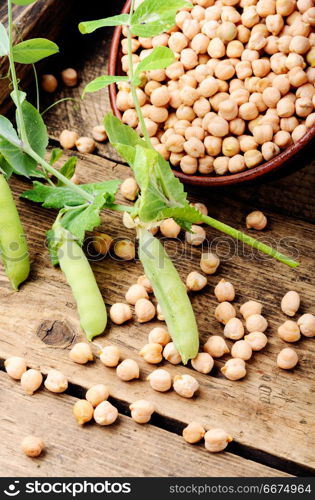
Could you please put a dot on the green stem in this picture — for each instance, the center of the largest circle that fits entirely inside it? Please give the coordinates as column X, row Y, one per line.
column 120, row 208
column 133, row 88
column 36, row 86
column 224, row 228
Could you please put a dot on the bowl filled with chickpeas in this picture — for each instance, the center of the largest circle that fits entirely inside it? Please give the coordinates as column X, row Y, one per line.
column 238, row 103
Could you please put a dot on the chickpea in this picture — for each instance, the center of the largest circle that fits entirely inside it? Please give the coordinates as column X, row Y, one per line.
column 171, row 354
column 193, row 433
column 257, row 41
column 81, row 353
column 216, row 440
column 300, row 44
column 310, row 120
column 303, row 107
column 257, row 340
column 248, row 111
column 236, row 164
column 271, row 46
column 213, row 145
column 110, row 356
column 200, row 43
column 32, row 446
column 49, row 83
column 242, row 350
column 31, row 380
column 282, row 83
column 120, row 313
column 125, row 249
column 290, row 303
column 185, row 385
column 159, row 335
column 234, row 329
column 195, row 281
column 307, row 325
column 216, row 99
column 230, row 146
column 191, row 28
column 197, row 235
column 145, row 310
column 129, row 189
column 68, row 139
column 274, row 24
column 69, row 77
column 105, row 413
column 99, row 133
column 181, row 17
column 256, row 323
column 188, row 95
column 247, row 143
column 83, row 411
column 234, row 369
column 128, row 370
column 169, row 228
column 224, row 70
column 102, row 243
column 249, row 308
column 243, row 33
column 15, row 366
column 249, row 17
column 56, row 381
column 216, row 48
column 175, row 71
column 227, row 31
column 216, row 346
column 228, row 109
column 141, row 411
column 289, row 124
column 203, row 362
column 218, row 127
column 237, row 127
column 152, row 353
column 224, row 312
column 287, row 358
column 136, row 292
column 240, row 96
column 266, row 7
column 234, row 49
column 269, row 150
column 160, row 380
column 209, row 263
column 256, row 220
column 224, row 291
column 289, row 331
column 297, row 77
column 85, row 145
column 177, row 42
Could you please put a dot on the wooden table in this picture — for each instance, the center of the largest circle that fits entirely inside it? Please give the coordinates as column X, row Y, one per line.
column 270, row 413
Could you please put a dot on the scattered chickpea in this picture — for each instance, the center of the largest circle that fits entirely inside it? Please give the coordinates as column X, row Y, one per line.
column 105, row 413
column 110, row 356
column 152, row 353
column 68, row 139
column 15, row 366
column 185, row 385
column 99, row 133
column 209, row 263
column 290, row 303
column 136, row 292
column 171, row 354
column 224, row 291
column 159, row 313
column 83, row 411
column 234, row 329
column 120, row 313
column 249, row 308
column 257, row 340
column 224, row 312
column 97, row 394
column 195, row 281
column 49, row 83
column 169, row 228
column 56, row 381
column 160, row 380
column 216, row 346
column 193, row 433
column 85, row 145
column 203, row 362
column 256, row 220
column 144, row 281
column 125, row 249
column 81, row 353
column 287, row 358
column 216, row 440
column 32, row 446
column 289, row 331
column 197, row 235
column 234, row 369
column 141, row 411
column 129, row 189
column 145, row 310
column 159, row 335
column 307, row 325
column 242, row 349
column 102, row 243
column 69, row 77
column 256, row 323
column 31, row 380
column 128, row 370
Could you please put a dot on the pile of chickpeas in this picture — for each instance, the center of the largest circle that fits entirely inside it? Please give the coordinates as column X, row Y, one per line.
column 241, row 88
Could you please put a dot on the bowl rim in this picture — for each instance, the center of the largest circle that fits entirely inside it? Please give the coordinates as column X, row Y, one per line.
column 276, row 163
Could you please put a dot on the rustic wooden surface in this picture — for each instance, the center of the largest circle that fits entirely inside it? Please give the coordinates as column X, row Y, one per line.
column 270, row 413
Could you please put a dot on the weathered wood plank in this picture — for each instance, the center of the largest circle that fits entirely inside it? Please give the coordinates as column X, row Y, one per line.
column 270, row 409
column 124, row 449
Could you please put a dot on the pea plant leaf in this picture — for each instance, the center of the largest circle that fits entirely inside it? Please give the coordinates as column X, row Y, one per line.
column 90, row 26
column 5, row 167
column 8, row 132
column 23, row 2
column 102, row 82
column 35, row 128
column 59, row 197
column 4, row 41
column 20, row 94
column 123, row 138
column 152, row 18
column 160, row 58
column 55, row 155
column 32, row 51
column 68, row 169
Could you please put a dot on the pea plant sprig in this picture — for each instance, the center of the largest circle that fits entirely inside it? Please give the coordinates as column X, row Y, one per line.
column 161, row 193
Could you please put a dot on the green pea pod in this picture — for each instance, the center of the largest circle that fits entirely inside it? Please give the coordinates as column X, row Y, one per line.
column 171, row 294
column 13, row 244
column 90, row 303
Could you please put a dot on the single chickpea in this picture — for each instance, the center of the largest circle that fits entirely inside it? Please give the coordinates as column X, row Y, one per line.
column 145, row 310
column 120, row 313
column 303, row 107
column 110, row 356
column 297, row 77
column 228, row 109
column 243, row 33
column 247, row 143
column 177, row 42
column 102, row 243
column 81, row 353
column 287, row 358
column 105, row 413
column 289, row 124
column 194, row 147
column 216, row 48
column 282, row 83
column 216, row 346
column 99, row 133
column 218, row 127
column 83, row 411
column 242, row 350
column 234, row 49
column 15, row 366
column 227, row 31
column 271, row 96
column 188, row 164
column 129, row 189
column 256, row 323
column 213, row 145
column 136, row 292
column 209, row 263
column 160, row 380
column 274, row 24
column 49, row 83
column 248, row 111
column 185, row 385
column 203, row 362
column 69, row 77
column 196, row 237
column 256, row 220
column 300, row 44
column 31, row 380
column 216, row 99
column 289, row 331
column 216, row 440
column 269, row 150
column 236, row 164
column 224, row 70
column 257, row 340
column 128, row 370
column 282, row 139
column 200, row 43
column 159, row 335
column 174, row 142
column 240, row 96
column 310, row 120
column 32, row 446
column 224, row 291
column 249, row 17
column 249, row 308
column 237, row 127
column 234, row 369
column 188, row 95
column 193, row 433
column 195, row 281
column 307, row 325
column 141, row 411
column 234, row 329
column 56, row 381
column 169, row 228
column 85, row 145
column 224, row 312
column 130, row 118
column 266, row 7
column 230, row 146
column 171, row 354
column 191, row 28
column 189, row 58
column 125, row 249
column 68, row 139
column 290, row 303
column 252, row 158
column 152, row 353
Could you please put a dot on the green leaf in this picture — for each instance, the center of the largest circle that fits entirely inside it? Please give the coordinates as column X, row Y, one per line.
column 22, row 97
column 122, row 137
column 102, row 82
column 56, row 154
column 8, row 132
column 35, row 128
column 152, row 18
column 21, row 163
column 23, row 2
column 4, row 41
column 184, row 216
column 33, row 50
column 68, row 169
column 59, row 197
column 90, row 26
column 5, row 167
column 52, row 246
column 160, row 58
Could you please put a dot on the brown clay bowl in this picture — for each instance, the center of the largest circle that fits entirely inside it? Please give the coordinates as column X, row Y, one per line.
column 292, row 158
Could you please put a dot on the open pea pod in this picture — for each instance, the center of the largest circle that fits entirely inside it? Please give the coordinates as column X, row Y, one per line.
column 171, row 294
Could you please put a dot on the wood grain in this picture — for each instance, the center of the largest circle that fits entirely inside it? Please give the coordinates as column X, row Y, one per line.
column 270, row 409
column 123, row 449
